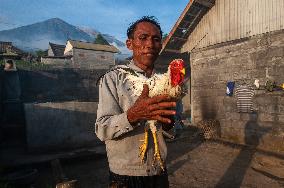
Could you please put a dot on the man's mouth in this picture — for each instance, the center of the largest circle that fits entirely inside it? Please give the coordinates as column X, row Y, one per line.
column 149, row 54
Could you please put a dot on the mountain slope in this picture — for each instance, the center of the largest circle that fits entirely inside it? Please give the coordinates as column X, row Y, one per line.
column 110, row 39
column 37, row 36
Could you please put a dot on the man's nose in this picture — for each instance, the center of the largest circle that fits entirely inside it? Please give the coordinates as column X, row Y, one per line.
column 149, row 43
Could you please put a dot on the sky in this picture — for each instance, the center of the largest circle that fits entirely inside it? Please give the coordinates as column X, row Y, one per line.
column 107, row 16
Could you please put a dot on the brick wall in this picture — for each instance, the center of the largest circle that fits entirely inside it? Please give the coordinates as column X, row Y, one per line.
column 259, row 57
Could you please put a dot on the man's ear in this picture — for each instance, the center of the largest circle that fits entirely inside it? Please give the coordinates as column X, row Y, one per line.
column 129, row 44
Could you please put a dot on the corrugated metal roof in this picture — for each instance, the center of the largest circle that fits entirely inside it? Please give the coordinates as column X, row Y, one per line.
column 7, row 47
column 4, row 45
column 57, row 49
column 232, row 20
column 186, row 23
column 92, row 46
column 227, row 20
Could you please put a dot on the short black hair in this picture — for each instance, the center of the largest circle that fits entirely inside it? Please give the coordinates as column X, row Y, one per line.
column 150, row 19
column 9, row 61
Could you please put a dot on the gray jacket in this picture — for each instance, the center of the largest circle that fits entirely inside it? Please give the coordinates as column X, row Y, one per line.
column 121, row 138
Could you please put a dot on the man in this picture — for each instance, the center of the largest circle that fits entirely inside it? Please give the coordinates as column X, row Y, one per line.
column 121, row 117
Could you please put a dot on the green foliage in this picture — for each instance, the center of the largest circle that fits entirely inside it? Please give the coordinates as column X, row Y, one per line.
column 41, row 53
column 101, row 40
column 165, row 35
column 20, row 64
column 2, row 62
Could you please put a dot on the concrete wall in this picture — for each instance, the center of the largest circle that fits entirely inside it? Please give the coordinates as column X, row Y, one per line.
column 260, row 57
column 61, row 125
column 90, row 59
column 60, row 107
column 49, row 51
column 1, row 91
column 59, row 85
column 57, row 62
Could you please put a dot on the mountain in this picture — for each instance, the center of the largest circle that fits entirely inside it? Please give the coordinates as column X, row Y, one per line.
column 111, row 39
column 37, row 36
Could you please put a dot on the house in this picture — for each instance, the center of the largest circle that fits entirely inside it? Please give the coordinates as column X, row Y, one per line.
column 234, row 44
column 8, row 51
column 90, row 56
column 56, row 50
column 55, row 57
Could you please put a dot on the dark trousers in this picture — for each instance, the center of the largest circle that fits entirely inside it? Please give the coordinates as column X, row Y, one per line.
column 122, row 181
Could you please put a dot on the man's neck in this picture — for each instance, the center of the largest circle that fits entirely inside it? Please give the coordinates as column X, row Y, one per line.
column 147, row 69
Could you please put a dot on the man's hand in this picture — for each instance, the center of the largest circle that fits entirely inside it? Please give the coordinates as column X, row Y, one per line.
column 155, row 108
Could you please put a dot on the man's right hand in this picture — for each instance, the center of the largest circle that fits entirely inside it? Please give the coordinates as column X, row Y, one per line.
column 151, row 108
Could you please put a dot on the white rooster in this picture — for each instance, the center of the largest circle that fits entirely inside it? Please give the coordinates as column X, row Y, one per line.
column 170, row 83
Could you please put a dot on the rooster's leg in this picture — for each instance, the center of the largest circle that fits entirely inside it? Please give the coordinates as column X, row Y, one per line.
column 157, row 155
column 143, row 147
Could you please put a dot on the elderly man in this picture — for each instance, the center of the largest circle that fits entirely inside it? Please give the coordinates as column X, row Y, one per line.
column 121, row 116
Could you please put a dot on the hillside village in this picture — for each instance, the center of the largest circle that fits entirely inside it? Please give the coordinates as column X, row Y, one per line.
column 232, row 120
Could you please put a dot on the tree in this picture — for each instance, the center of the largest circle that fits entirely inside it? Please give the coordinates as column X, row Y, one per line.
column 41, row 53
column 164, row 37
column 101, row 40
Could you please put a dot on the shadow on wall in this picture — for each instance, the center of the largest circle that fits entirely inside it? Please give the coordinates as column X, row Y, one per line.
column 10, row 93
column 208, row 109
column 234, row 175
column 22, row 86
column 57, row 126
column 59, row 85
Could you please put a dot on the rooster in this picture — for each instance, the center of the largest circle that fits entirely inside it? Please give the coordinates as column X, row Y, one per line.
column 170, row 83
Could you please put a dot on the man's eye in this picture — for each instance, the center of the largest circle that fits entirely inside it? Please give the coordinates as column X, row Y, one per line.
column 142, row 37
column 157, row 39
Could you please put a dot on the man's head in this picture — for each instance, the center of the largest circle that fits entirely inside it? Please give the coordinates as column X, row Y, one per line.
column 145, row 40
column 9, row 64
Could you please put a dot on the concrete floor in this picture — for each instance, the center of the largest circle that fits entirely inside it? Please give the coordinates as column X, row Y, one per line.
column 192, row 162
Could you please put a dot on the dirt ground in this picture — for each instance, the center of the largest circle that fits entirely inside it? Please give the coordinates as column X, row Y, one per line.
column 192, row 163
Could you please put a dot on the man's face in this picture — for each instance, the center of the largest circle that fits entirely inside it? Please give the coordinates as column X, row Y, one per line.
column 145, row 44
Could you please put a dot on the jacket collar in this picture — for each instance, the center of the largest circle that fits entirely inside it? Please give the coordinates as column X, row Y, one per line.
column 137, row 69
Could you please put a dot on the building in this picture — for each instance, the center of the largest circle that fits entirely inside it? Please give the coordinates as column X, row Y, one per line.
column 8, row 51
column 90, row 56
column 229, row 41
column 55, row 50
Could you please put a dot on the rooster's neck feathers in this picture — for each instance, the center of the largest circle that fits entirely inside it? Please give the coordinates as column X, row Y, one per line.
column 158, row 83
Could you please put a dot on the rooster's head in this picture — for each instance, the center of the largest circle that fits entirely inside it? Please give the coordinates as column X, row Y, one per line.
column 177, row 72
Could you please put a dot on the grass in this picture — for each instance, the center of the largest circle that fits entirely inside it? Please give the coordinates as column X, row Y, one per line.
column 24, row 65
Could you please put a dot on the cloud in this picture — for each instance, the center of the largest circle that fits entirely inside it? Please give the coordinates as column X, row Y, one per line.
column 6, row 24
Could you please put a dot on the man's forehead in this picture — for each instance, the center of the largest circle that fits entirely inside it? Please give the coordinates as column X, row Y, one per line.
column 147, row 28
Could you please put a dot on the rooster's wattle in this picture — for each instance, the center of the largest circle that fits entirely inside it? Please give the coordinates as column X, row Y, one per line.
column 169, row 83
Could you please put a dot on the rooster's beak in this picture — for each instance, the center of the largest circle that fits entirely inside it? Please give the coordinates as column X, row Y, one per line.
column 183, row 71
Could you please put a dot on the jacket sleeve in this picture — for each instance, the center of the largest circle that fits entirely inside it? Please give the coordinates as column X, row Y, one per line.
column 111, row 121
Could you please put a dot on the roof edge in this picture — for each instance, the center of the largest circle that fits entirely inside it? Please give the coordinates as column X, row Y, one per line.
column 177, row 24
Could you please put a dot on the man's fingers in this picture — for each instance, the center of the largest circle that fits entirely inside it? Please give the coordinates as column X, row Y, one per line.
column 145, row 92
column 163, row 112
column 162, row 105
column 160, row 98
column 162, row 119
